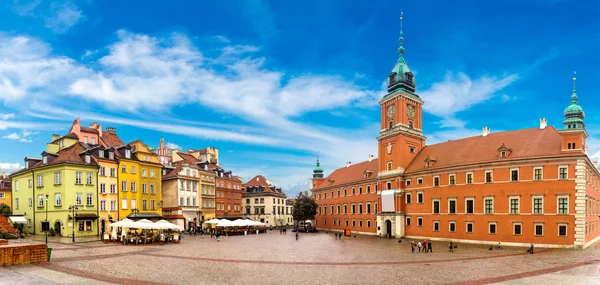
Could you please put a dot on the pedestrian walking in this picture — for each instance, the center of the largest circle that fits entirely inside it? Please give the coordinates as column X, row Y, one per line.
column 218, row 235
column 429, row 246
column 451, row 246
column 296, row 235
column 425, row 246
column 419, row 245
column 531, row 249
column 412, row 246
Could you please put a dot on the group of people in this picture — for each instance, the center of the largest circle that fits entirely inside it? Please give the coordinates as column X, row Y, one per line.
column 422, row 246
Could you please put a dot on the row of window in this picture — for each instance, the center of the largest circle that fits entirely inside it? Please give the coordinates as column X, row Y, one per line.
column 262, row 201
column 208, row 190
column 338, row 222
column 189, row 201
column 323, row 195
column 538, row 175
column 222, row 185
column 144, row 171
column 538, row 228
column 591, row 206
column 58, row 179
column 208, row 203
column 322, row 210
column 133, row 187
column 277, row 210
column 514, row 204
column 58, row 200
column 124, row 204
column 221, row 207
column 221, row 194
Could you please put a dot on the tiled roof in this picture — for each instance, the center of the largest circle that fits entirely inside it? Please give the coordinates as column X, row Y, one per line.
column 69, row 135
column 69, row 154
column 354, row 172
column 112, row 140
column 88, row 130
column 526, row 143
column 5, row 183
column 188, row 158
column 174, row 172
column 258, row 180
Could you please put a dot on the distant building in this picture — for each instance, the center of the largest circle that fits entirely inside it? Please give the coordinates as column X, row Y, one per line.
column 5, row 190
column 264, row 202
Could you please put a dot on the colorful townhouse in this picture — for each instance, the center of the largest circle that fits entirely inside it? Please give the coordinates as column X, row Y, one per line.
column 5, row 190
column 181, row 183
column 149, row 177
column 536, row 185
column 206, row 179
column 65, row 178
column 264, row 202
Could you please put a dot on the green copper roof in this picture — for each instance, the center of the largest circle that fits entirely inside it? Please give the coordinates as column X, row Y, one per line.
column 574, row 114
column 318, row 167
column 401, row 69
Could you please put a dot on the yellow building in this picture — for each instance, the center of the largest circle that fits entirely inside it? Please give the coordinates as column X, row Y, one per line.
column 108, row 184
column 150, row 182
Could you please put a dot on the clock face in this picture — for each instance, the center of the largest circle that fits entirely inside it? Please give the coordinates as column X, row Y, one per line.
column 390, row 111
column 410, row 111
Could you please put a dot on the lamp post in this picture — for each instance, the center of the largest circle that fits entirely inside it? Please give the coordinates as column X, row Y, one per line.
column 47, row 225
column 73, row 210
column 135, row 212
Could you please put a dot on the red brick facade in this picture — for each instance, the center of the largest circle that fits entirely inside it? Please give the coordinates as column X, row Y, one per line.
column 16, row 254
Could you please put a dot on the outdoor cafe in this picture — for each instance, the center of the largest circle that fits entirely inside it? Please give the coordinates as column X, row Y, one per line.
column 237, row 227
column 143, row 232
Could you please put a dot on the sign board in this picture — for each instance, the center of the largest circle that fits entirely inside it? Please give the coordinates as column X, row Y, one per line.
column 347, row 233
column 45, row 226
column 387, row 201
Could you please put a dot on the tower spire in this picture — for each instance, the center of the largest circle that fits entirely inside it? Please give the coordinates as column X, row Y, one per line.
column 574, row 114
column 318, row 171
column 401, row 49
column 574, row 97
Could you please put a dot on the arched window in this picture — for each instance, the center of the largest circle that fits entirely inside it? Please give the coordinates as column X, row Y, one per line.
column 390, row 124
column 410, row 124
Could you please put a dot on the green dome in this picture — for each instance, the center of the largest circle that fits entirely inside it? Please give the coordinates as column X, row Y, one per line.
column 574, row 109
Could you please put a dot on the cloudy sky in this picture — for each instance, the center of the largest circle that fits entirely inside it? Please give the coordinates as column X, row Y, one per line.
column 272, row 83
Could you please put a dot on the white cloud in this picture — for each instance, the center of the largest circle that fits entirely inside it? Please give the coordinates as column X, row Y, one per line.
column 458, row 92
column 23, row 140
column 173, row 146
column 505, row 98
column 26, row 7
column 6, row 116
column 63, row 16
column 9, row 167
column 13, row 136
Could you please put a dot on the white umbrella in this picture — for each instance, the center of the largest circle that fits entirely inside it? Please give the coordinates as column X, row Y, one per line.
column 224, row 223
column 240, row 223
column 144, row 224
column 213, row 221
column 126, row 223
column 166, row 225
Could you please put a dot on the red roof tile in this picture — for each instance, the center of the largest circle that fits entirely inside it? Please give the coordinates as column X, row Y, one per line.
column 526, row 143
column 88, row 130
column 112, row 140
column 354, row 172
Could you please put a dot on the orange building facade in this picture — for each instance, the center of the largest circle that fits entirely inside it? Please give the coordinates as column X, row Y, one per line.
column 534, row 185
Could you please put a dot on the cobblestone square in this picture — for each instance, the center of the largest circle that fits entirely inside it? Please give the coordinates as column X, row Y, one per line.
column 315, row 258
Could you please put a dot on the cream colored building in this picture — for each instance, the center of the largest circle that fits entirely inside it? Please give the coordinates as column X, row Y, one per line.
column 264, row 202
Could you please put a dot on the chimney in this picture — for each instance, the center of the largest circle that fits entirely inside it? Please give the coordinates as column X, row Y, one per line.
column 486, row 131
column 370, row 157
column 543, row 123
column 55, row 137
column 3, row 174
column 348, row 164
column 111, row 130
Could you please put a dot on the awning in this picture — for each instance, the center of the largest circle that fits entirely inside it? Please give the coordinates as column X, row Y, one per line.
column 18, row 219
column 86, row 216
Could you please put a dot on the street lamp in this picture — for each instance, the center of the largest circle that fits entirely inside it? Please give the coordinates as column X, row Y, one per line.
column 47, row 224
column 73, row 210
column 135, row 212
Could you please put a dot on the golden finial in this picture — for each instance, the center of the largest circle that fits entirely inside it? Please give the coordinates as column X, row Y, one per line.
column 401, row 14
column 574, row 79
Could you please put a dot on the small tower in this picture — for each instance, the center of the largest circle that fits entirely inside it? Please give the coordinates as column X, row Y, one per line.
column 317, row 174
column 401, row 77
column 574, row 113
column 318, row 171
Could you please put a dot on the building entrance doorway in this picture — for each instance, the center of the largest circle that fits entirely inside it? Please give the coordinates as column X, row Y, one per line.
column 102, row 226
column 388, row 228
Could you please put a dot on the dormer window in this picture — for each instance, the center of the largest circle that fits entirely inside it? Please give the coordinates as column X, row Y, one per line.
column 409, row 76
column 101, row 154
column 430, row 161
column 111, row 155
column 127, row 153
column 503, row 154
column 428, row 164
column 504, row 151
column 87, row 158
column 45, row 160
column 392, row 77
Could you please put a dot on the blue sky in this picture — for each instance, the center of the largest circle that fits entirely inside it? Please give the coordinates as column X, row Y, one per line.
column 271, row 83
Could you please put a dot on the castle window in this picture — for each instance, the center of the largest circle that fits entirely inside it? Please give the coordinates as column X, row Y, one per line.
column 411, row 149
column 514, row 175
column 436, row 181
column 389, row 186
column 408, row 182
column 410, row 124
column 390, row 124
column 503, row 154
column 389, row 165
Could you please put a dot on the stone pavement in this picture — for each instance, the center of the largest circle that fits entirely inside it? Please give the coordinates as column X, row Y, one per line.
column 314, row 258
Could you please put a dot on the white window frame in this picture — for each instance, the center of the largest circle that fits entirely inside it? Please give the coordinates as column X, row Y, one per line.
column 510, row 198
column 40, row 202
column 103, row 205
column 438, row 179
column 470, row 199
column 419, row 221
column 484, row 205
column 422, row 194
column 533, row 197
column 566, row 225
column 407, row 182
column 541, row 173
column 408, row 194
column 467, row 178
column 515, row 232
column 453, row 222
column 133, row 203
column 433, row 206
column 57, row 199
column 495, row 227
column 438, row 225
column 455, row 206
column 511, row 174
column 89, row 199
column 566, row 173
column 535, row 225
column 124, row 203
column 491, row 176
column 113, row 205
column 407, row 221
column 558, row 197
column 57, row 178
column 78, row 178
column 40, row 180
column 133, row 169
column 102, row 188
column 450, row 176
column 79, row 199
column 419, row 180
column 467, row 223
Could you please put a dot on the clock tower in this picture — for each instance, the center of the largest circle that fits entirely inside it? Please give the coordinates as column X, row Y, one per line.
column 401, row 136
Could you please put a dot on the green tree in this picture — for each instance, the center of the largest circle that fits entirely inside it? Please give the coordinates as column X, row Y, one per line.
column 305, row 208
column 4, row 209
